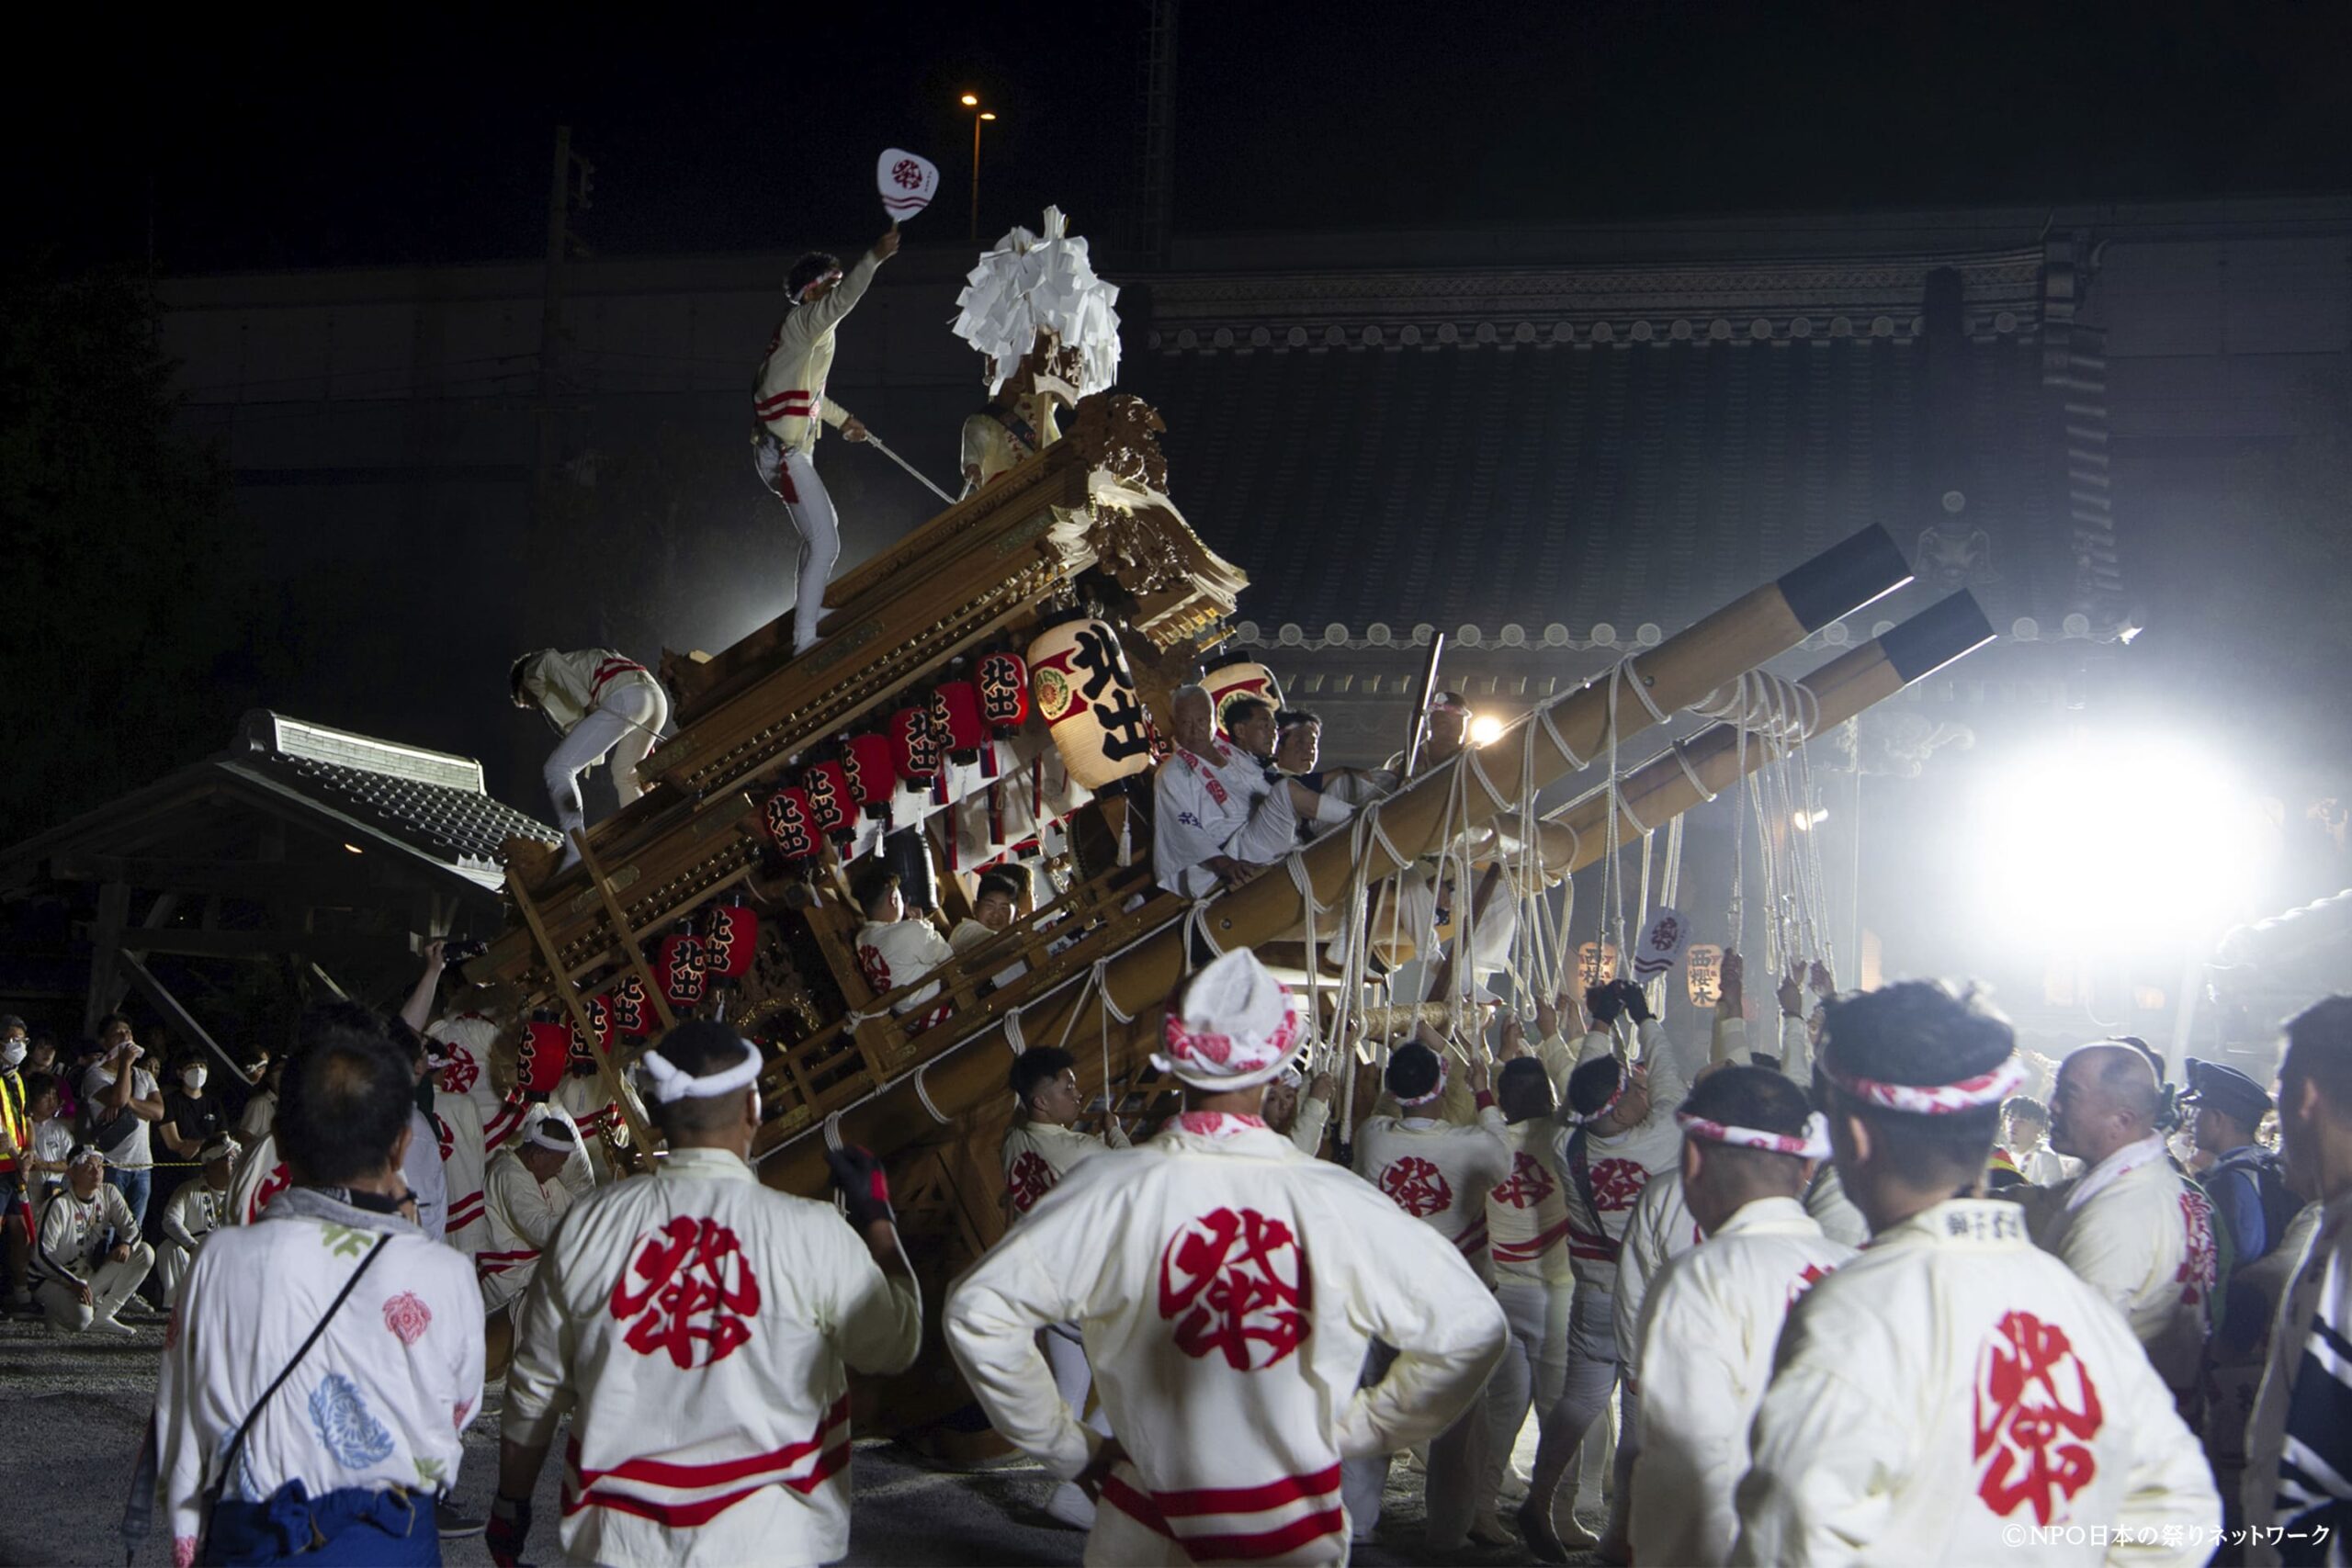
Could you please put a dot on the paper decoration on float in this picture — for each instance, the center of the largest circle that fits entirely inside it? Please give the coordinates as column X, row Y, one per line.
column 1029, row 284
column 1087, row 696
column 1596, row 964
column 1661, row 946
column 907, row 180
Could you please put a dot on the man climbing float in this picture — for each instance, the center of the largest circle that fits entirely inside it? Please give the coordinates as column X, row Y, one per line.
column 600, row 702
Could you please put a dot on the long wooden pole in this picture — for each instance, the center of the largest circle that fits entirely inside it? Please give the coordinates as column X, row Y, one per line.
column 1680, row 671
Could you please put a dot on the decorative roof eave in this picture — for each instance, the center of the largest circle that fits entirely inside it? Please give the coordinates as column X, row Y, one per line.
column 1722, row 303
column 1512, row 637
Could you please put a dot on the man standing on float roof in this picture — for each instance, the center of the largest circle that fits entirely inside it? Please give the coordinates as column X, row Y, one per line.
column 788, row 400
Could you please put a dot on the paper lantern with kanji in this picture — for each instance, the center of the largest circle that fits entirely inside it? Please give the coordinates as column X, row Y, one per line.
column 832, row 805
column 1003, row 680
column 866, row 760
column 730, row 940
column 955, row 715
column 1088, row 697
column 540, row 1059
column 916, row 753
column 786, row 821
column 1241, row 680
column 1704, row 975
column 681, row 970
column 633, row 1015
column 1597, row 963
column 599, row 1011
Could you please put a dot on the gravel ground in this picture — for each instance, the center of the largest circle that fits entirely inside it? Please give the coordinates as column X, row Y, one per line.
column 76, row 1409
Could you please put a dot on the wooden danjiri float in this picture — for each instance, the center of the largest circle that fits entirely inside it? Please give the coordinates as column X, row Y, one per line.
column 1002, row 674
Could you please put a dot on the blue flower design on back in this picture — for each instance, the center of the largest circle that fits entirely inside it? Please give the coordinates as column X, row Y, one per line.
column 351, row 1434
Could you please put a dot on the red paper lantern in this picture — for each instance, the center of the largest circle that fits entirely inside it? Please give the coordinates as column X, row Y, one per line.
column 731, row 938
column 955, row 715
column 682, row 969
column 865, row 759
column 541, row 1058
column 599, row 1011
column 1004, row 690
column 832, row 804
column 915, row 750
column 789, row 824
column 633, row 1015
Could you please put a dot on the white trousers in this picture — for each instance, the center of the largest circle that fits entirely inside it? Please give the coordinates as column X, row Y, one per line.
column 793, row 477
column 1534, row 1364
column 1073, row 1377
column 1450, row 1480
column 111, row 1283
column 623, row 722
column 1590, row 1373
column 171, row 1267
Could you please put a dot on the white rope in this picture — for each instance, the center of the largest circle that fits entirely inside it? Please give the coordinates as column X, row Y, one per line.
column 1013, row 1035
column 922, row 1096
column 832, row 1129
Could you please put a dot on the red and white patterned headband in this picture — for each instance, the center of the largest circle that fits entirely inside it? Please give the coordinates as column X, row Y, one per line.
column 1815, row 1145
column 1587, row 1118
column 1210, row 1058
column 1934, row 1099
column 1436, row 1088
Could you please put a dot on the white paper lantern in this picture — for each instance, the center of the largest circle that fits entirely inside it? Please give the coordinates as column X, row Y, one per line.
column 1087, row 697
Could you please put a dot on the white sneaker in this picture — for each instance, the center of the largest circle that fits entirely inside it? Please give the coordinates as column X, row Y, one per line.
column 110, row 1325
column 1071, row 1506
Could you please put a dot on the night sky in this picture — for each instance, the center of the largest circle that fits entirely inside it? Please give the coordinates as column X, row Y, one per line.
column 429, row 143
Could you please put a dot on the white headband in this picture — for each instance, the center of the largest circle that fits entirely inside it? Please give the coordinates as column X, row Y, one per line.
column 669, row 1084
column 540, row 1139
column 88, row 1154
column 1815, row 1145
column 1937, row 1099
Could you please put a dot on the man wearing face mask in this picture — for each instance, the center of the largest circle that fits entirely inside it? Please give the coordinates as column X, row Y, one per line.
column 16, row 1150
column 193, row 1116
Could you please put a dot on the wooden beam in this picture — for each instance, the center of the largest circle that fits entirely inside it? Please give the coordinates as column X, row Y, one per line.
column 640, row 1135
column 106, row 983
column 178, row 1017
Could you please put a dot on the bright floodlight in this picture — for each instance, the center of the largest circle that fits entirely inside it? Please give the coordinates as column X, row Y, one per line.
column 969, row 101
column 1485, row 729
column 2117, row 847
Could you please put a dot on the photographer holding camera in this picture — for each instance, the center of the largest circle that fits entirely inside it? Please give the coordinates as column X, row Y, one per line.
column 120, row 1101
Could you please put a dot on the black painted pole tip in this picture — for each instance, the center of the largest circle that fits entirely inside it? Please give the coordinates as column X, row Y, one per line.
column 1845, row 577
column 1942, row 632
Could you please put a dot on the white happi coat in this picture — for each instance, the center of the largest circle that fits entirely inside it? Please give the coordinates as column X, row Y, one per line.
column 1660, row 1231
column 2298, row 1449
column 1826, row 1201
column 1440, row 1173
column 1527, row 1210
column 897, row 952
column 2045, row 1167
column 567, row 686
column 1951, row 1387
column 1037, row 1155
column 194, row 1212
column 788, row 394
column 468, row 1038
column 1306, row 1128
column 1704, row 1351
column 1217, row 803
column 1226, row 1286
column 521, row 1212
column 1621, row 1165
column 699, row 1328
column 382, row 1400
column 595, row 1114
column 2142, row 1237
column 261, row 1176
column 459, row 1127
column 74, row 1231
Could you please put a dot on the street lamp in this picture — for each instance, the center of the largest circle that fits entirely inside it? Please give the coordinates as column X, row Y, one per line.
column 972, row 101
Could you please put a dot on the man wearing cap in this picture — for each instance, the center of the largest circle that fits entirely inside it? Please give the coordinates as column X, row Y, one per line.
column 1439, row 1175
column 2130, row 1225
column 88, row 1257
column 700, row 1328
column 1951, row 1389
column 1227, row 1288
column 2245, row 1182
column 1216, row 818
column 1702, row 1351
column 788, row 403
column 194, row 1211
column 1619, row 1134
